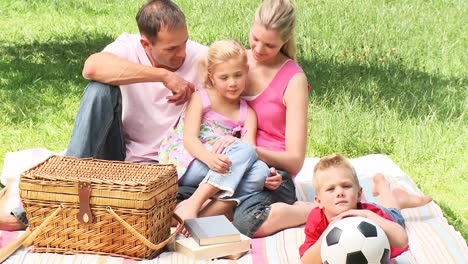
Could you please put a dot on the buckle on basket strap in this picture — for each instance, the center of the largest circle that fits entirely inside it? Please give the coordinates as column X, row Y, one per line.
column 84, row 192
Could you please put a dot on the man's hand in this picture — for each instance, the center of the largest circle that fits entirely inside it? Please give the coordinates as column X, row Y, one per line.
column 222, row 143
column 181, row 89
column 274, row 181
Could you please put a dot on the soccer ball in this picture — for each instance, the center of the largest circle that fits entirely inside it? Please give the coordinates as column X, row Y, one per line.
column 354, row 240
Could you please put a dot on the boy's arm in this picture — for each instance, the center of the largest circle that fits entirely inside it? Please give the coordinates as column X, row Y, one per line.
column 313, row 255
column 396, row 234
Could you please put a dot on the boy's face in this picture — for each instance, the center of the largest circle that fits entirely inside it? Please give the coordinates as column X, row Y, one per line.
column 337, row 192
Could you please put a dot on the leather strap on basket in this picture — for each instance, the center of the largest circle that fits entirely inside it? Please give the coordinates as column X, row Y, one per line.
column 84, row 192
column 142, row 238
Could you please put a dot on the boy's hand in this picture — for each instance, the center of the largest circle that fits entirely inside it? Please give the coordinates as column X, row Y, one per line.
column 274, row 181
column 352, row 212
column 219, row 163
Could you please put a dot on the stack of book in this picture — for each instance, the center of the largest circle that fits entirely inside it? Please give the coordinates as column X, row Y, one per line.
column 212, row 237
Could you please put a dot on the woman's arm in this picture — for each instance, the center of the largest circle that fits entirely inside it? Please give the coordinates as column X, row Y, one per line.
column 250, row 127
column 296, row 101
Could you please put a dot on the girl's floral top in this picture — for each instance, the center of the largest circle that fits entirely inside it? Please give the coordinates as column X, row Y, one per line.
column 213, row 126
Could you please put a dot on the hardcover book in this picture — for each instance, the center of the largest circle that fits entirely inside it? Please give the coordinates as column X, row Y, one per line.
column 233, row 250
column 212, row 230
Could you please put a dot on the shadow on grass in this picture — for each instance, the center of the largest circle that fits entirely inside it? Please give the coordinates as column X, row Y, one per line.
column 388, row 84
column 41, row 76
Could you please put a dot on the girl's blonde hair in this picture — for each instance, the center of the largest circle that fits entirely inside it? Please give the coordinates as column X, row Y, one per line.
column 333, row 161
column 279, row 15
column 219, row 52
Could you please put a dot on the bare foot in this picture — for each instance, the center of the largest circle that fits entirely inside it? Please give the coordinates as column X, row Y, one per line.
column 406, row 200
column 378, row 179
column 9, row 222
column 185, row 210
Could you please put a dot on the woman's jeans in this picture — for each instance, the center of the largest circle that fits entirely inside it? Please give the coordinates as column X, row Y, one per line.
column 254, row 210
column 246, row 174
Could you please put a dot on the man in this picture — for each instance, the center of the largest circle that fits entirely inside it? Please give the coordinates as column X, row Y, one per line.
column 139, row 84
column 155, row 73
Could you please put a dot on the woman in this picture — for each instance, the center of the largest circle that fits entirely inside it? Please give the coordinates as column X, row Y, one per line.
column 278, row 92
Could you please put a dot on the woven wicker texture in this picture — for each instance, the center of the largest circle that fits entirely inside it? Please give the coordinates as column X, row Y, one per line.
column 142, row 195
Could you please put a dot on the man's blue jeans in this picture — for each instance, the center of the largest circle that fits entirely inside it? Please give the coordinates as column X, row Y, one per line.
column 97, row 131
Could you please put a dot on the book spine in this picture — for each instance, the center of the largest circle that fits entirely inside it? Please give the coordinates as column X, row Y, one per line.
column 196, row 231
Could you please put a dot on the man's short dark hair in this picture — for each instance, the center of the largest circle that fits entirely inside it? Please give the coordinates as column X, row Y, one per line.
column 156, row 14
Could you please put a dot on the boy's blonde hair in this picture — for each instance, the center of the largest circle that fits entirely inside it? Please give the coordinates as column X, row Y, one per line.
column 219, row 52
column 279, row 15
column 336, row 161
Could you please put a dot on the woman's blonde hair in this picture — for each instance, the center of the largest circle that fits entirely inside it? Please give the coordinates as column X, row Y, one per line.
column 219, row 52
column 279, row 15
column 336, row 161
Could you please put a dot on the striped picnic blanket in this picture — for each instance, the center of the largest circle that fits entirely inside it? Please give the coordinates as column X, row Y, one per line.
column 431, row 238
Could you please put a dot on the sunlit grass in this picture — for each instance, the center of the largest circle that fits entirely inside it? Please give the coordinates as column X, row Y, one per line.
column 387, row 77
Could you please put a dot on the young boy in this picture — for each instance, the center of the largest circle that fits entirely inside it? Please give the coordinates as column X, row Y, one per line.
column 338, row 195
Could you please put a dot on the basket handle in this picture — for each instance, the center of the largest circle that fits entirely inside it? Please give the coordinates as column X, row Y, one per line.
column 29, row 240
column 142, row 238
column 27, row 237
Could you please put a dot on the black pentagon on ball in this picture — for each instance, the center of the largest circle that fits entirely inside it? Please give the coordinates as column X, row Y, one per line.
column 356, row 258
column 367, row 229
column 385, row 257
column 333, row 237
column 326, row 262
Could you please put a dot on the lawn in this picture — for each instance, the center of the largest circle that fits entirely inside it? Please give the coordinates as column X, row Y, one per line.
column 387, row 77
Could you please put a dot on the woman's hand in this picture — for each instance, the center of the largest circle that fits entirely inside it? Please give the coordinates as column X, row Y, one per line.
column 219, row 163
column 220, row 144
column 274, row 181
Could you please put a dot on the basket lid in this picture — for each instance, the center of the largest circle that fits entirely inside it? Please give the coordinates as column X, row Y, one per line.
column 60, row 168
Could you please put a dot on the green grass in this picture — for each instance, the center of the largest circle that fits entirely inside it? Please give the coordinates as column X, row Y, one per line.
column 387, row 77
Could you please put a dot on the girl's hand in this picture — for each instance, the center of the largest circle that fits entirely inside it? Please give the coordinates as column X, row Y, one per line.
column 274, row 181
column 220, row 144
column 219, row 163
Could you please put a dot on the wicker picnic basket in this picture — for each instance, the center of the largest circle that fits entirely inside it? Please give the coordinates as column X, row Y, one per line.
column 100, row 207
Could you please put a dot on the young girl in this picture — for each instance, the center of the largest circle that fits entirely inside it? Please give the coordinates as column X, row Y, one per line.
column 215, row 113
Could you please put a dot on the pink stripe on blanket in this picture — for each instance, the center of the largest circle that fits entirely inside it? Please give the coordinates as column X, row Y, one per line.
column 258, row 250
column 6, row 237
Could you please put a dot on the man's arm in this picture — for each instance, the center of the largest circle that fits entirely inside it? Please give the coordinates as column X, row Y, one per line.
column 108, row 68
